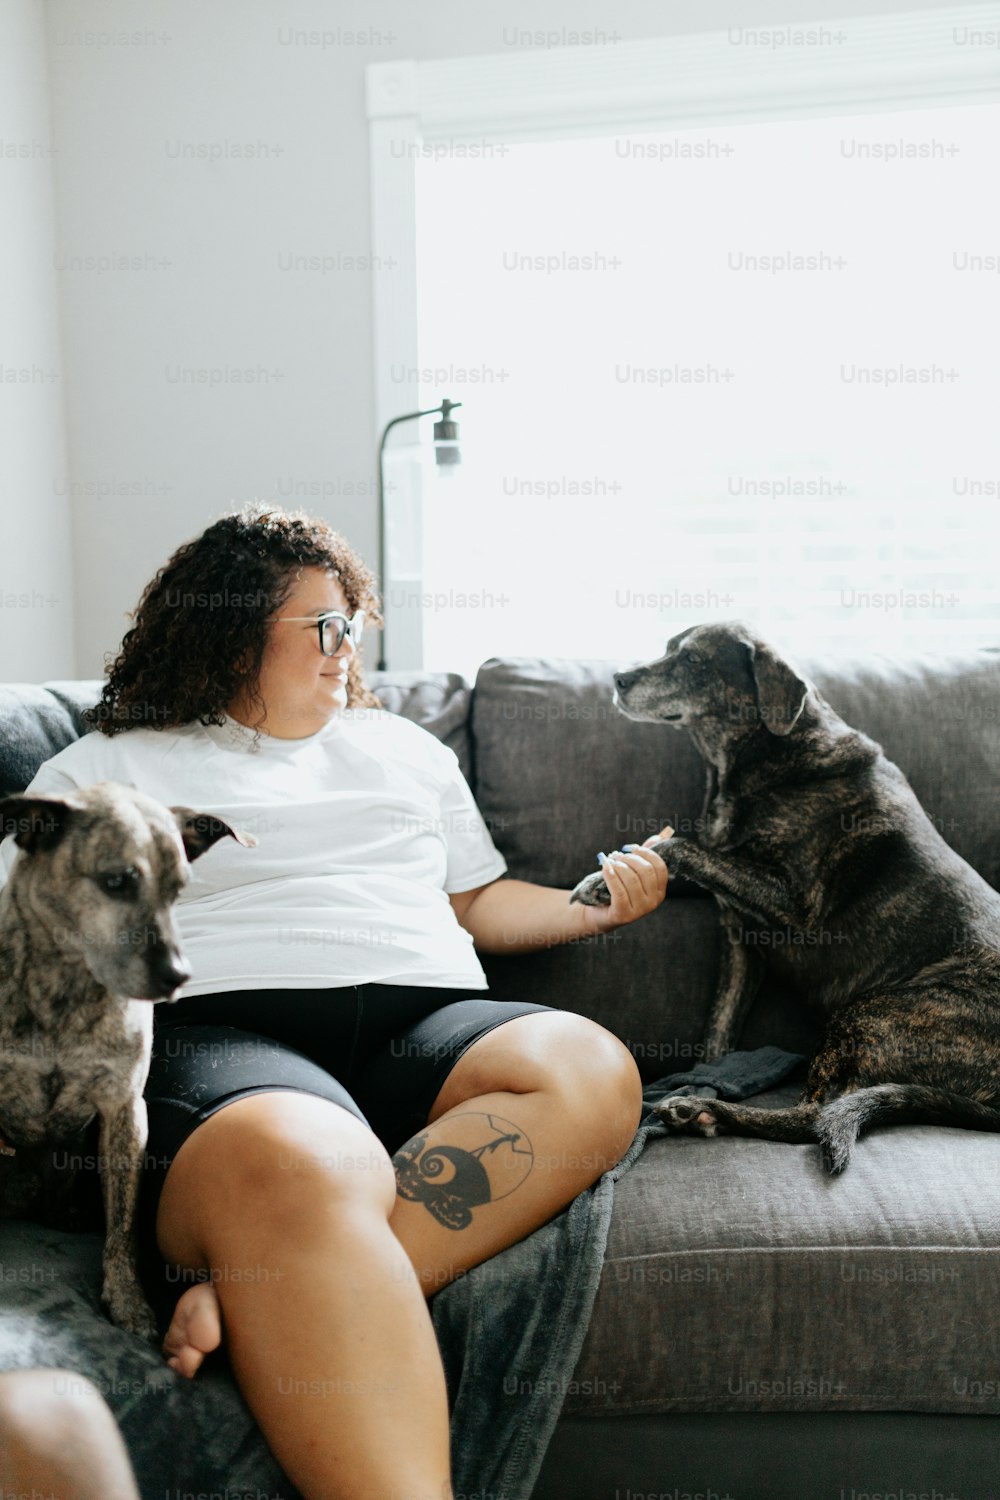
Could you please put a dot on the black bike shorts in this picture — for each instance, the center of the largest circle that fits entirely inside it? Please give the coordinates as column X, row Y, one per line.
column 382, row 1051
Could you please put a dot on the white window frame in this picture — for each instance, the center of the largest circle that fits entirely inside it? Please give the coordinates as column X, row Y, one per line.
column 913, row 59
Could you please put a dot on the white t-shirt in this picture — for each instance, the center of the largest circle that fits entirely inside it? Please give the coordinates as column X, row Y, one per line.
column 363, row 831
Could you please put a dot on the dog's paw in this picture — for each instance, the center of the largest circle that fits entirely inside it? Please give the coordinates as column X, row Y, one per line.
column 128, row 1309
column 592, row 891
column 688, row 1115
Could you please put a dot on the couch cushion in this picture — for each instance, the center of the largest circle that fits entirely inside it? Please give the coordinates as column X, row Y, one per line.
column 561, row 773
column 36, row 722
column 739, row 1276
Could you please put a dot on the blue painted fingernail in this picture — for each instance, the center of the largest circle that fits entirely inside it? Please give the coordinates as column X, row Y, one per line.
column 626, row 848
column 601, row 858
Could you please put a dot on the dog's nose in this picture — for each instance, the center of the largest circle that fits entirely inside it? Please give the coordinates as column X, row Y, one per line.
column 167, row 970
column 624, row 680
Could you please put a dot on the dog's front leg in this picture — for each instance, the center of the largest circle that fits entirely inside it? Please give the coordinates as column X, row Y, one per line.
column 740, row 975
column 749, row 889
column 689, row 1115
column 124, row 1131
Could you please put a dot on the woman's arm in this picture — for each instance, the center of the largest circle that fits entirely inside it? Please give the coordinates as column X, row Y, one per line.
column 514, row 916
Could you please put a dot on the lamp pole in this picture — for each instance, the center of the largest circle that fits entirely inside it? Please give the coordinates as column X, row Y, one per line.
column 444, row 431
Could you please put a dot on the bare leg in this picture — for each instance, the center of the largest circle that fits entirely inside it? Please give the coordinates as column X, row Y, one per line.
column 574, row 1112
column 58, row 1439
column 560, row 1149
column 554, row 1155
column 512, row 1159
column 285, row 1199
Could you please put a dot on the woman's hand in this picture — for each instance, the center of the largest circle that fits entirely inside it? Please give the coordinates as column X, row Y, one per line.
column 637, row 882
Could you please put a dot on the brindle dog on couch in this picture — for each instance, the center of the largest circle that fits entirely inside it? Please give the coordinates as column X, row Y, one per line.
column 88, row 942
column 811, row 832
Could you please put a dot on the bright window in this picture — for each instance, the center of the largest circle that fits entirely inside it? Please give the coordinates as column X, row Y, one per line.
column 715, row 373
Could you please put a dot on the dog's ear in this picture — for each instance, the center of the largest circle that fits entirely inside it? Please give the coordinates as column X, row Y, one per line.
column 200, row 830
column 37, row 822
column 781, row 692
column 675, row 640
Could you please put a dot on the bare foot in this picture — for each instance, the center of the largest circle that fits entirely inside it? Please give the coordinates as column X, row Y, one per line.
column 195, row 1329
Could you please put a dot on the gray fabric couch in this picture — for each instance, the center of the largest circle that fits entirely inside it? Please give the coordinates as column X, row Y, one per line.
column 761, row 1332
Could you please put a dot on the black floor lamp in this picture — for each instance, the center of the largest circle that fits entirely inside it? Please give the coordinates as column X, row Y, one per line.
column 446, row 451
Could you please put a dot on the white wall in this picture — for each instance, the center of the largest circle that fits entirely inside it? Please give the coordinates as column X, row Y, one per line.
column 154, row 460
column 36, row 590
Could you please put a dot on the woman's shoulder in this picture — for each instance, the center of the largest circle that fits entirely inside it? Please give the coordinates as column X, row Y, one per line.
column 102, row 752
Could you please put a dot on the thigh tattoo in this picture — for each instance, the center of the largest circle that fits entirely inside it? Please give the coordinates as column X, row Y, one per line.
column 486, row 1158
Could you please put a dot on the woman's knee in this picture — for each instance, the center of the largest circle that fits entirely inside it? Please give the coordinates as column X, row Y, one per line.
column 599, row 1083
column 563, row 1052
column 50, row 1406
column 589, row 1076
column 263, row 1163
column 59, row 1438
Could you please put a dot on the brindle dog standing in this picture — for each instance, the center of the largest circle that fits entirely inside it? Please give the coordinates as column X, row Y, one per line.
column 829, row 874
column 87, row 941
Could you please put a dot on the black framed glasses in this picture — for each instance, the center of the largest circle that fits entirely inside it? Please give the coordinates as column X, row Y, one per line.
column 332, row 627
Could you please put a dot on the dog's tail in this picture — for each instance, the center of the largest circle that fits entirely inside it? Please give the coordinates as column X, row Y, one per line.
column 842, row 1120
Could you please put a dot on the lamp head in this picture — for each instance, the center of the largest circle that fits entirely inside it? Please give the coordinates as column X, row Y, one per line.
column 446, row 449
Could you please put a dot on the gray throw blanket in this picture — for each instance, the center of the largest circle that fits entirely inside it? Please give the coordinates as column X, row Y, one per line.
column 735, row 1076
column 510, row 1331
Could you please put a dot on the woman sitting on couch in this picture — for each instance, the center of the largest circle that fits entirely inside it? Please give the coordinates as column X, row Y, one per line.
column 336, row 1043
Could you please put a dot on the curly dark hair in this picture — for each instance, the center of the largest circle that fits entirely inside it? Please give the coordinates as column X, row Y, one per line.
column 201, row 625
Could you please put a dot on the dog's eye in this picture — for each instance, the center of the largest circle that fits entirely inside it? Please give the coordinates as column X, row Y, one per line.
column 120, row 882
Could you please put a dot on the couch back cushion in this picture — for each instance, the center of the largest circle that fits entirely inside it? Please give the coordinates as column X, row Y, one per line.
column 560, row 774
column 36, row 722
